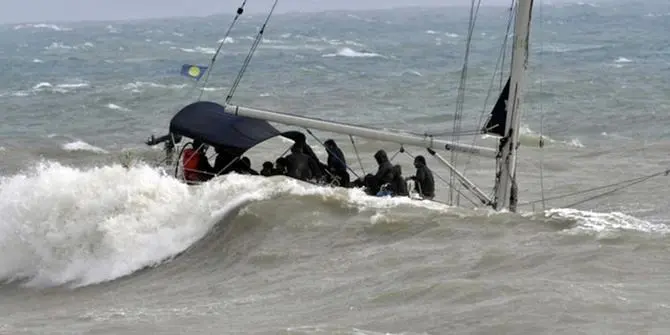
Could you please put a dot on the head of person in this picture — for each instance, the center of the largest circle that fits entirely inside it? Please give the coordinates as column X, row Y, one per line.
column 381, row 157
column 419, row 161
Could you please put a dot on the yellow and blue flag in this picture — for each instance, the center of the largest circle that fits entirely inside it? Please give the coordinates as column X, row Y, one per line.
column 193, row 71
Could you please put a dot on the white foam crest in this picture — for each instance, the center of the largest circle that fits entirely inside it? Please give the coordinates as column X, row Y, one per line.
column 136, row 86
column 42, row 26
column 347, row 52
column 340, row 42
column 111, row 29
column 73, row 85
column 622, row 60
column 531, row 138
column 165, row 42
column 20, row 94
column 178, row 34
column 451, row 35
column 212, row 89
column 62, row 46
column 37, row 60
column 59, row 88
column 563, row 48
column 64, row 225
column 42, row 85
column 431, row 32
column 83, row 146
column 605, row 222
column 227, row 40
column 117, row 107
column 202, row 50
column 82, row 226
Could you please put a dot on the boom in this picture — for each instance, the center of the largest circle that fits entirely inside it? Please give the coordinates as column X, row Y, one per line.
column 375, row 134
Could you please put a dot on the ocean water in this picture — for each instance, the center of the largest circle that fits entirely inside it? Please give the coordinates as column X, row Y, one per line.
column 92, row 245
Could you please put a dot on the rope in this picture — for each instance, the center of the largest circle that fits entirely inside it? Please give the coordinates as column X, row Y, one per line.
column 622, row 184
column 357, row 155
column 460, row 99
column 541, row 143
column 240, row 10
column 247, row 60
column 396, row 154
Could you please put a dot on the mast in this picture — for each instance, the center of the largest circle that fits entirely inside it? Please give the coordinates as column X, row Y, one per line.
column 341, row 128
column 505, row 188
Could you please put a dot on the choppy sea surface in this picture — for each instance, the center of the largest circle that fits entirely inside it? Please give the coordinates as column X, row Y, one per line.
column 90, row 245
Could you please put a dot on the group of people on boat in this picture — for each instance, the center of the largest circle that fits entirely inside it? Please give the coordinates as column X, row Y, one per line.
column 303, row 164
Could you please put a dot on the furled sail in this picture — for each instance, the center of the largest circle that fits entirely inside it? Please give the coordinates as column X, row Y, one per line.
column 496, row 123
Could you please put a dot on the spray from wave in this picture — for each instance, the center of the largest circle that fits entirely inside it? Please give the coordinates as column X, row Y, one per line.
column 68, row 226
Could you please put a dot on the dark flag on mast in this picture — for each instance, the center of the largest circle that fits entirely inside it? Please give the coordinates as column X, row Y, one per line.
column 498, row 117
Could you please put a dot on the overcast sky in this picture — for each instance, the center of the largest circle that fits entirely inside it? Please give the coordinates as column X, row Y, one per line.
column 13, row 11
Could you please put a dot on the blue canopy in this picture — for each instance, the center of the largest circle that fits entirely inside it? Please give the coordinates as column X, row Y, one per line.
column 208, row 122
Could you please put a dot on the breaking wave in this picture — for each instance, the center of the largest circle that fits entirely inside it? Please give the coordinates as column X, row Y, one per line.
column 348, row 52
column 72, row 226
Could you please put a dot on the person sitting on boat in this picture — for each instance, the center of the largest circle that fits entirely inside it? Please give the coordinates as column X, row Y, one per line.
column 224, row 162
column 423, row 179
column 266, row 171
column 398, row 185
column 244, row 167
column 195, row 164
column 337, row 164
column 301, row 166
column 307, row 150
column 384, row 173
column 280, row 167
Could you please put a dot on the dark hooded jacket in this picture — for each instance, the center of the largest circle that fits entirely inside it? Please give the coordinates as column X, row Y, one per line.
column 424, row 178
column 385, row 170
column 301, row 166
column 337, row 164
column 384, row 174
column 398, row 184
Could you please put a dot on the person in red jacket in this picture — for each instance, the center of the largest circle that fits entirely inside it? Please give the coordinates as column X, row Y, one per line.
column 195, row 164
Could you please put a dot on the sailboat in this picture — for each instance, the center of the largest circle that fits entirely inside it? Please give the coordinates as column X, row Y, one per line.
column 239, row 128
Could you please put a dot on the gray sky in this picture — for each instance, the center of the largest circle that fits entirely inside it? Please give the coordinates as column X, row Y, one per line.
column 14, row 11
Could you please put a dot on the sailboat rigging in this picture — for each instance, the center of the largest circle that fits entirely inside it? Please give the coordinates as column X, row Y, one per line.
column 504, row 121
column 505, row 118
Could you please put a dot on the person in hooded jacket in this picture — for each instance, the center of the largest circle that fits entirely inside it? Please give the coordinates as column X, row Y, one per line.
column 195, row 164
column 384, row 174
column 398, row 185
column 337, row 164
column 266, row 171
column 424, row 178
column 301, row 166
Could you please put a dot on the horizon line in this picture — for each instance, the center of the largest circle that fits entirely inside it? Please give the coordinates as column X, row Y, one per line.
column 289, row 12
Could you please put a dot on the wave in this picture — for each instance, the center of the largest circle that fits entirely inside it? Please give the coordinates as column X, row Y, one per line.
column 138, row 85
column 117, row 107
column 622, row 60
column 83, row 146
column 347, row 52
column 77, row 227
column 566, row 48
column 530, row 138
column 202, row 50
column 41, row 26
column 62, row 46
column 227, row 40
column 48, row 87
